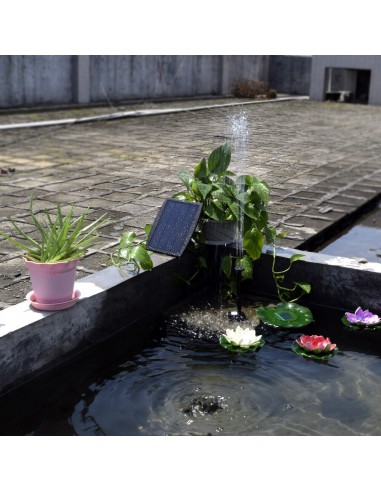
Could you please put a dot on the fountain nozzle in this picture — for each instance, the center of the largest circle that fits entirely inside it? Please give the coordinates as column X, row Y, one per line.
column 238, row 315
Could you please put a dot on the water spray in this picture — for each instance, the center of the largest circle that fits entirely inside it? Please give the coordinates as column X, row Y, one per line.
column 238, row 314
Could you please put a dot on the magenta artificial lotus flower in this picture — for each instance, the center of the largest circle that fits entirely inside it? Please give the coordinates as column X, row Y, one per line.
column 360, row 317
column 316, row 344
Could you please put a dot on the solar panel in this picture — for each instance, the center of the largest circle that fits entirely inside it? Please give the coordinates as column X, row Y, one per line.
column 173, row 227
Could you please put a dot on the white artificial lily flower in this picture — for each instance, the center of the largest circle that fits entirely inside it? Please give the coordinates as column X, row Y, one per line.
column 242, row 337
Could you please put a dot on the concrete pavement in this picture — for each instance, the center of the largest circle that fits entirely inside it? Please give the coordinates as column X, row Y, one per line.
column 322, row 161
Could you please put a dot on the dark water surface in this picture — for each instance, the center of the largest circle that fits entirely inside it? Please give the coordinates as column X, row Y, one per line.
column 184, row 383
column 361, row 240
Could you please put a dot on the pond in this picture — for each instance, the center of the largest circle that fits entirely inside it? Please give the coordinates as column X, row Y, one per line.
column 182, row 382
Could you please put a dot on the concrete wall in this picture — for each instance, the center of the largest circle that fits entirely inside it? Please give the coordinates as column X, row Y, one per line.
column 36, row 80
column 56, row 80
column 142, row 77
column 290, row 74
column 320, row 64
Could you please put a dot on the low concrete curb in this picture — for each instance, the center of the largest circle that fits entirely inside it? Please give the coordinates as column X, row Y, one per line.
column 111, row 300
column 142, row 112
column 337, row 282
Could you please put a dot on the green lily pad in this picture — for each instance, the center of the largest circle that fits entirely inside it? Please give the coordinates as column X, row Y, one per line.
column 359, row 326
column 310, row 355
column 224, row 342
column 285, row 315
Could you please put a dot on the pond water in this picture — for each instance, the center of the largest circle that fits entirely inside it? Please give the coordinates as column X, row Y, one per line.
column 360, row 240
column 184, row 383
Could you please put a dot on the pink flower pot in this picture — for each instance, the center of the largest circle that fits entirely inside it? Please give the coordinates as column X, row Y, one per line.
column 52, row 282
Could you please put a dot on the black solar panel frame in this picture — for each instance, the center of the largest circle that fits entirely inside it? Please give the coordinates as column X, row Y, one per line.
column 173, row 227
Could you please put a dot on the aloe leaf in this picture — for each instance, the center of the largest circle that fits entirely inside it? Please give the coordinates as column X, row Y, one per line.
column 19, row 245
column 23, row 234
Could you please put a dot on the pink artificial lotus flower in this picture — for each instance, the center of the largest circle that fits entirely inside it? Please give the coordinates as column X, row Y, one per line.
column 316, row 344
column 360, row 317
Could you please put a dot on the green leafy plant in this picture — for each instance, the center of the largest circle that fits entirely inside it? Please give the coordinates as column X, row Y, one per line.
column 133, row 252
column 225, row 196
column 297, row 290
column 211, row 185
column 62, row 238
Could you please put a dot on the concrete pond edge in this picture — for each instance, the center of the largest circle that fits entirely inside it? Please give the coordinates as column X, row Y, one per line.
column 113, row 300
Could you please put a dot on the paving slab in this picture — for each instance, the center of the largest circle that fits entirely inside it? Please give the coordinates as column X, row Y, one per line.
column 321, row 160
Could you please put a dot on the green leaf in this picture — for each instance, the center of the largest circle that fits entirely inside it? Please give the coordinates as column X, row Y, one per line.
column 201, row 171
column 141, row 255
column 304, row 286
column 61, row 239
column 236, row 210
column 185, row 196
column 253, row 242
column 202, row 188
column 127, row 238
column 185, row 178
column 226, row 265
column 244, row 180
column 296, row 257
column 246, row 263
column 214, row 212
column 252, row 211
column 219, row 159
column 221, row 196
column 270, row 234
column 262, row 189
column 201, row 262
column 281, row 234
column 147, row 229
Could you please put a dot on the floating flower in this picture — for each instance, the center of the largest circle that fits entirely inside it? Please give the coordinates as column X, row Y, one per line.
column 244, row 338
column 360, row 317
column 316, row 344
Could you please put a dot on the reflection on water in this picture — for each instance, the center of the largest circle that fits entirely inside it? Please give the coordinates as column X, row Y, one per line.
column 362, row 240
column 359, row 242
column 185, row 383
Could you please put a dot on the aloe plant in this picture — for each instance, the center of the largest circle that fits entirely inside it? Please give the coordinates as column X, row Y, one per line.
column 62, row 238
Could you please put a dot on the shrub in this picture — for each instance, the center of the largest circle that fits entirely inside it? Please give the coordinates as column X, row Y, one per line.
column 255, row 89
